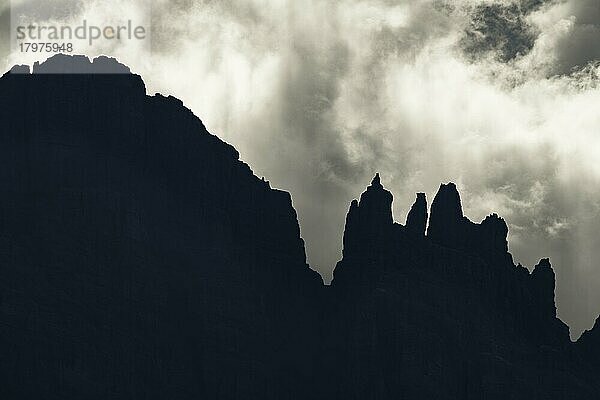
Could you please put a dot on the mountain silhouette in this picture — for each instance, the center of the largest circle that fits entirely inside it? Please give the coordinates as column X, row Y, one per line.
column 447, row 315
column 141, row 259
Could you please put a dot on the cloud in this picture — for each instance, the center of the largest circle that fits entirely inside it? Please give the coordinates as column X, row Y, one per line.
column 500, row 96
column 501, row 29
column 4, row 32
column 570, row 34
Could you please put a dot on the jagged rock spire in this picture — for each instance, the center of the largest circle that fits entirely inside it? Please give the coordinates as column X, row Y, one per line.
column 376, row 203
column 449, row 227
column 446, row 213
column 495, row 230
column 376, row 182
column 416, row 221
column 367, row 219
column 544, row 282
column 447, row 203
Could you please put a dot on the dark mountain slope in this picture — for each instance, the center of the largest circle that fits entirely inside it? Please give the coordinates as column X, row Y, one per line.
column 589, row 345
column 139, row 258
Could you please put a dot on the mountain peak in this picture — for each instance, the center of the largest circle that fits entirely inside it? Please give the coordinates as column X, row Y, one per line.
column 73, row 64
column 544, row 264
column 447, row 201
column 146, row 222
column 446, row 213
column 376, row 182
column 416, row 220
column 544, row 281
column 369, row 217
column 377, row 202
column 495, row 230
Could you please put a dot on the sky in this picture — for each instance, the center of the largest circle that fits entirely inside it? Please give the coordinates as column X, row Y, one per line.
column 501, row 97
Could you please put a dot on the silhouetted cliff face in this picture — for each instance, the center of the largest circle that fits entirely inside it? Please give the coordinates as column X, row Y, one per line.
column 589, row 346
column 139, row 258
column 447, row 315
column 450, row 228
column 368, row 227
column 416, row 220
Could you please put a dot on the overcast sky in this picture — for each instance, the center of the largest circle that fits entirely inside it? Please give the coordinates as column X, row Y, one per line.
column 500, row 96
